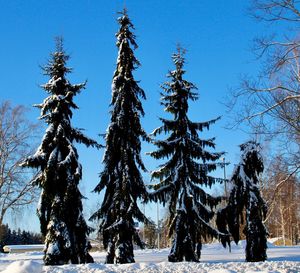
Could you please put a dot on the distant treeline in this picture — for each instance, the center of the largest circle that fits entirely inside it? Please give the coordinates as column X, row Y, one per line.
column 19, row 237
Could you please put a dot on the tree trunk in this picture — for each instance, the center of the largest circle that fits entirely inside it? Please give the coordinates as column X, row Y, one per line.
column 282, row 222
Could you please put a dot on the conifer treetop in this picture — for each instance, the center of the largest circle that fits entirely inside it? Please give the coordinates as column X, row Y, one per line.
column 251, row 157
column 124, row 32
column 175, row 100
column 56, row 110
column 57, row 63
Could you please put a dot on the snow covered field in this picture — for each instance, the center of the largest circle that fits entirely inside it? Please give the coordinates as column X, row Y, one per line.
column 215, row 259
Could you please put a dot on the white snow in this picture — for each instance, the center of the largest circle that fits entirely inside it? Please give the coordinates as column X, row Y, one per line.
column 24, row 267
column 25, row 247
column 214, row 259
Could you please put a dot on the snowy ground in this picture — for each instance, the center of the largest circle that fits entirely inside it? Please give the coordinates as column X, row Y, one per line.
column 214, row 259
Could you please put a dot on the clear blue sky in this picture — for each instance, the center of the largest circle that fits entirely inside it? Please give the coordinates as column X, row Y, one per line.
column 216, row 34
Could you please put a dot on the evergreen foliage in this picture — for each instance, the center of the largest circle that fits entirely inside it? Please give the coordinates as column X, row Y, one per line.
column 60, row 205
column 245, row 195
column 122, row 160
column 187, row 169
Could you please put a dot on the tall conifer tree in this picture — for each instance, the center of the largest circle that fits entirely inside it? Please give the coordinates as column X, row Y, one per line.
column 60, row 206
column 245, row 196
column 187, row 169
column 122, row 160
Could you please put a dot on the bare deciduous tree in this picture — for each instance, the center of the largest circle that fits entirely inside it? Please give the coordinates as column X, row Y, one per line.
column 281, row 190
column 16, row 143
column 270, row 103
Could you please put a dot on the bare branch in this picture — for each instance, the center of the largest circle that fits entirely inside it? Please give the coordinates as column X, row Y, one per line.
column 276, row 10
column 16, row 143
column 273, row 106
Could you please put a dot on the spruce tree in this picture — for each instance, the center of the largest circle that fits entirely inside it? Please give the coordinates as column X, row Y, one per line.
column 60, row 206
column 122, row 160
column 187, row 169
column 245, row 197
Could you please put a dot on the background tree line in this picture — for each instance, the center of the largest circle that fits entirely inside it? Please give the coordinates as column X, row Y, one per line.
column 18, row 237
